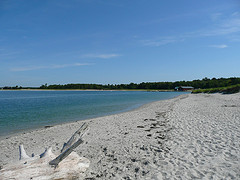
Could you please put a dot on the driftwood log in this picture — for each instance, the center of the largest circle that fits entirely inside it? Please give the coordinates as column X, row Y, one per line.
column 67, row 165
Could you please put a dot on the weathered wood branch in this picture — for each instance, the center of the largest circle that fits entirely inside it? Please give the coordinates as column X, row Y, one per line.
column 77, row 135
column 63, row 155
column 39, row 167
column 72, row 143
column 22, row 153
column 47, row 152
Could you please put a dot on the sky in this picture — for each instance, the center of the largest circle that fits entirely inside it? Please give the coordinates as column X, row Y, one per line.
column 117, row 41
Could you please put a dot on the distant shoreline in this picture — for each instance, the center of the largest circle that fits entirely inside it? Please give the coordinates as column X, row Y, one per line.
column 149, row 90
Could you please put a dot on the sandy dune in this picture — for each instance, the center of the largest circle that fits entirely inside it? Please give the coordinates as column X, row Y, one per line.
column 188, row 137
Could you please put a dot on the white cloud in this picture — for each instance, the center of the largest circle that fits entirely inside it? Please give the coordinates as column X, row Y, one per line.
column 225, row 26
column 101, row 56
column 228, row 27
column 30, row 68
column 221, row 46
column 160, row 41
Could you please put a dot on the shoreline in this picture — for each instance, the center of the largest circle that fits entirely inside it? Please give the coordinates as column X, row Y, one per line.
column 147, row 90
column 56, row 126
column 189, row 136
column 80, row 120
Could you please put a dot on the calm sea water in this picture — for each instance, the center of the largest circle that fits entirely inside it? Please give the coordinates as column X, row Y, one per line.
column 22, row 110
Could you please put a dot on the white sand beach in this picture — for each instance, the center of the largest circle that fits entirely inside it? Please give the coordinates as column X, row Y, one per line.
column 193, row 136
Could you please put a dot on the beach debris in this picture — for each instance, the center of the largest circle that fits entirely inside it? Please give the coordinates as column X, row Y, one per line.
column 48, row 126
column 67, row 165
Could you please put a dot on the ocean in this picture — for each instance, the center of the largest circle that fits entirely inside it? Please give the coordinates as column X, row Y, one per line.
column 24, row 110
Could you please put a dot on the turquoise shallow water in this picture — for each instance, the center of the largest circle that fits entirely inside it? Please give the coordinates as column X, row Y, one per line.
column 22, row 110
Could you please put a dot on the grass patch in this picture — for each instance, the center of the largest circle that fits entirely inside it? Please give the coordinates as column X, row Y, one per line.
column 224, row 90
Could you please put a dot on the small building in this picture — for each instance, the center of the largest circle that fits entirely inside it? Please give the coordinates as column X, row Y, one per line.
column 184, row 88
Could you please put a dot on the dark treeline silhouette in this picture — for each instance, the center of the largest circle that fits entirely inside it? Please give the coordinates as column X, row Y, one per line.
column 14, row 87
column 203, row 84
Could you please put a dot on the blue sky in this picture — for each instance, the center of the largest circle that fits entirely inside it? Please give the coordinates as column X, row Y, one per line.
column 117, row 41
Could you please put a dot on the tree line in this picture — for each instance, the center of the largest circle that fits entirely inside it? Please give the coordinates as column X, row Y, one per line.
column 202, row 84
column 12, row 87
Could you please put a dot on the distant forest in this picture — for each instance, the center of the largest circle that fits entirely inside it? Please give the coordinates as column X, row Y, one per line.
column 205, row 83
column 202, row 84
